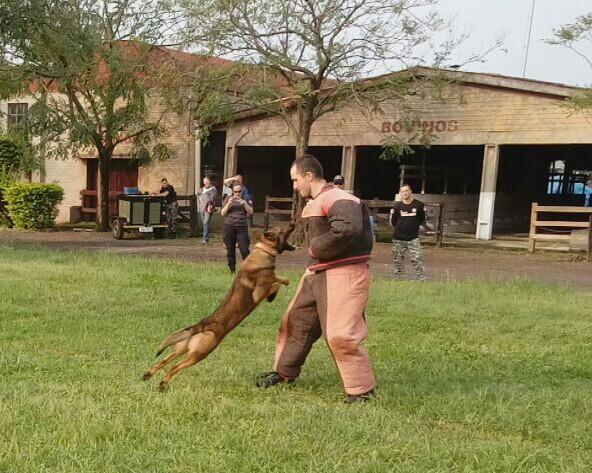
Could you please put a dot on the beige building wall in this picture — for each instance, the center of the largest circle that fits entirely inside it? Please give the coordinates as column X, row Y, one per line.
column 470, row 114
column 70, row 174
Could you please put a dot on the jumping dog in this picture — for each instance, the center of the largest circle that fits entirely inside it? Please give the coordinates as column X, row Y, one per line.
column 255, row 282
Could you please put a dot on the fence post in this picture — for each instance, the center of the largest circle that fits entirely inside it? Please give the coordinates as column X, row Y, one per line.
column 440, row 229
column 193, row 215
column 266, row 214
column 533, row 227
column 590, row 240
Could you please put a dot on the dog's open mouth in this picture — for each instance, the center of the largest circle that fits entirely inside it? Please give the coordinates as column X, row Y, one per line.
column 283, row 244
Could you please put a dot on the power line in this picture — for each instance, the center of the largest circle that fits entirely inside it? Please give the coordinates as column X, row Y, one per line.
column 528, row 39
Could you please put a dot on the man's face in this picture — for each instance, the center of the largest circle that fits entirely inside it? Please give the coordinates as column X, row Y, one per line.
column 164, row 183
column 405, row 192
column 301, row 182
column 237, row 192
column 206, row 182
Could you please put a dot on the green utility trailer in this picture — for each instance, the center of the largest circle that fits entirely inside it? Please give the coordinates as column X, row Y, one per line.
column 140, row 213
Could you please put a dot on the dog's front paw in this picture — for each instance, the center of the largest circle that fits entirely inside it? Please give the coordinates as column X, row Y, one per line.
column 163, row 386
column 271, row 297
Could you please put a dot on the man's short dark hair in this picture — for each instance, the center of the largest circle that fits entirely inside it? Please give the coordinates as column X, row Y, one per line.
column 308, row 163
column 163, row 179
column 406, row 185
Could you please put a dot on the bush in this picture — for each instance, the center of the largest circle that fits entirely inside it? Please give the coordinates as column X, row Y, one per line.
column 10, row 154
column 33, row 205
column 5, row 220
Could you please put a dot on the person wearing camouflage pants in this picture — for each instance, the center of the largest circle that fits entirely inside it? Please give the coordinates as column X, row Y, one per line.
column 171, row 206
column 416, row 256
column 407, row 215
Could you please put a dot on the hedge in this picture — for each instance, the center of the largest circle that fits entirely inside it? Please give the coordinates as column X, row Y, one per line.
column 5, row 220
column 10, row 154
column 33, row 205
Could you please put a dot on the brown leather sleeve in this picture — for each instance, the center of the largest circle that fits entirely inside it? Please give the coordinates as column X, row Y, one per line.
column 345, row 220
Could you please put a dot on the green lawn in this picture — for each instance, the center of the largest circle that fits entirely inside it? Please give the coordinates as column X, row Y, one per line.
column 472, row 377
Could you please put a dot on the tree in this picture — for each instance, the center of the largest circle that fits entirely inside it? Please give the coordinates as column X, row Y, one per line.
column 312, row 54
column 93, row 67
column 576, row 37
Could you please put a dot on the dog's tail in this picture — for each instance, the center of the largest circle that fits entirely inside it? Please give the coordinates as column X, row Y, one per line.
column 175, row 338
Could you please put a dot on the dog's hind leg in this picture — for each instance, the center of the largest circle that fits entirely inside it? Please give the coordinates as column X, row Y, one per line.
column 178, row 350
column 198, row 348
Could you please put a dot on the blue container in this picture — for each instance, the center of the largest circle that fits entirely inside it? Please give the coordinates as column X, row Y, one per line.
column 131, row 190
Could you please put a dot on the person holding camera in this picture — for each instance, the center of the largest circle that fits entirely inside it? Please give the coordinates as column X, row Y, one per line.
column 236, row 212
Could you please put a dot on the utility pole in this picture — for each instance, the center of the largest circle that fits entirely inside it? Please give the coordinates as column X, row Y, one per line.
column 528, row 39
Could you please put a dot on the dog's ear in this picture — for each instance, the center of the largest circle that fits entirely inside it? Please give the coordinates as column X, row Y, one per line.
column 257, row 235
column 271, row 236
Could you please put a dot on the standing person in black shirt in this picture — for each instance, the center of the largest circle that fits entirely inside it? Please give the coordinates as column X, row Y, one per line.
column 407, row 216
column 236, row 211
column 172, row 207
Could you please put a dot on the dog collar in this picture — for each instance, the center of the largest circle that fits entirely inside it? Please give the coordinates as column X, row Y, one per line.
column 266, row 250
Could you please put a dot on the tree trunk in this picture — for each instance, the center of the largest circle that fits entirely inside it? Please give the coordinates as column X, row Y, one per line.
column 299, row 236
column 103, row 223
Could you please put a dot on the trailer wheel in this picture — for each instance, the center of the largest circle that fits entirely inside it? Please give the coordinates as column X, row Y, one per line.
column 159, row 233
column 117, row 229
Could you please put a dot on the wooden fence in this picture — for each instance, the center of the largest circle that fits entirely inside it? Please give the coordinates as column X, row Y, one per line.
column 552, row 225
column 380, row 209
column 188, row 212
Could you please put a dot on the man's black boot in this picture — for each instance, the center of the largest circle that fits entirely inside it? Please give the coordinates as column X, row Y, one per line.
column 271, row 378
column 352, row 399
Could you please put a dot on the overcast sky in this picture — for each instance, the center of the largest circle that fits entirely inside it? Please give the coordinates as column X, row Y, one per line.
column 487, row 20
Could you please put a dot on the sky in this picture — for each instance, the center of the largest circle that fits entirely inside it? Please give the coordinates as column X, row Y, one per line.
column 487, row 20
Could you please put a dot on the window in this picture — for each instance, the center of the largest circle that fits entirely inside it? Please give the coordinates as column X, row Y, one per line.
column 17, row 113
column 569, row 182
column 556, row 177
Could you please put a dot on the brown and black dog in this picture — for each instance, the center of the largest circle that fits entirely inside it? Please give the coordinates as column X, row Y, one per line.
column 255, row 282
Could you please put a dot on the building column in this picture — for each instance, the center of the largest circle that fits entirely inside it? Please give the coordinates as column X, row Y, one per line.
column 348, row 167
column 230, row 161
column 197, row 164
column 487, row 195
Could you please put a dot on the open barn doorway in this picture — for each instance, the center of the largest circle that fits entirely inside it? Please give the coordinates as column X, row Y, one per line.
column 266, row 169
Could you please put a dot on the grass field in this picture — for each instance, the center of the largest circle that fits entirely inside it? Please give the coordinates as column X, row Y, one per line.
column 492, row 377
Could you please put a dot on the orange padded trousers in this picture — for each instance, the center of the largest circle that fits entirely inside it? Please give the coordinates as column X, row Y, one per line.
column 329, row 303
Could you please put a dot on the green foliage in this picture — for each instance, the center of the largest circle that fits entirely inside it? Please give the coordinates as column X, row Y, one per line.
column 17, row 154
column 33, row 206
column 395, row 147
column 5, row 220
column 10, row 155
column 577, row 37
